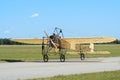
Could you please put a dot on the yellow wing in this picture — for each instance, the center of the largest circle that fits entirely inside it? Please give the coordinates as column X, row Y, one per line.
column 69, row 43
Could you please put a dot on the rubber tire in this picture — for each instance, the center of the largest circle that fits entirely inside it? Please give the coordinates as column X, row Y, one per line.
column 62, row 58
column 82, row 56
column 45, row 58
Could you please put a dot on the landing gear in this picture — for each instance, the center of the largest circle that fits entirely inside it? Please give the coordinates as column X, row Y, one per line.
column 82, row 56
column 44, row 54
column 62, row 58
column 45, row 58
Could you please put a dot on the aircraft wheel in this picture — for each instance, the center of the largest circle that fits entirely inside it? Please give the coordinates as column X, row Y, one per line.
column 45, row 58
column 82, row 56
column 62, row 58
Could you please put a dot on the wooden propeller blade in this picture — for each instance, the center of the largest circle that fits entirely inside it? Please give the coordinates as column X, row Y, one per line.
column 54, row 44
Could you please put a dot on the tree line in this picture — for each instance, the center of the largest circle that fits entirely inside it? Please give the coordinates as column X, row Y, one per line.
column 9, row 42
column 116, row 41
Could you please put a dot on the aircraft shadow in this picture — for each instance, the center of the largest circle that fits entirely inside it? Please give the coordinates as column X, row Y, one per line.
column 53, row 61
column 67, row 61
column 12, row 60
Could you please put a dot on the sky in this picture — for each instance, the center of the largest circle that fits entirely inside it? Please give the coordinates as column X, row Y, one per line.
column 77, row 18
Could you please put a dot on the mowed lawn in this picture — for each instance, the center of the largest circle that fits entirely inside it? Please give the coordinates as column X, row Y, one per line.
column 113, row 48
column 33, row 52
column 20, row 52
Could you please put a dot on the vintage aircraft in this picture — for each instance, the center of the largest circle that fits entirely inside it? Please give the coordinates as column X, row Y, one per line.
column 57, row 44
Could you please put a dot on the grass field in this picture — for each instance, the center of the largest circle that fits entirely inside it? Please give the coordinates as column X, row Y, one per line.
column 113, row 48
column 20, row 52
column 110, row 75
column 33, row 52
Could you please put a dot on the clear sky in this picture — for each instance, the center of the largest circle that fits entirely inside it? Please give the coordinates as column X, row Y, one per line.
column 77, row 18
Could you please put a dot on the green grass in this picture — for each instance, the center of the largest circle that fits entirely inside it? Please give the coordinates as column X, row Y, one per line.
column 20, row 52
column 110, row 75
column 113, row 48
column 33, row 52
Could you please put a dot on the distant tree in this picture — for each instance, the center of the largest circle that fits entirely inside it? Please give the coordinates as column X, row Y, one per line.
column 117, row 41
column 6, row 41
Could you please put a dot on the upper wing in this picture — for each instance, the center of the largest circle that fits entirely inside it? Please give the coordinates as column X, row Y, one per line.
column 28, row 41
column 74, row 41
column 69, row 42
column 90, row 40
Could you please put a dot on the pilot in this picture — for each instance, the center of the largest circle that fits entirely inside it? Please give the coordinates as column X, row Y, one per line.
column 52, row 39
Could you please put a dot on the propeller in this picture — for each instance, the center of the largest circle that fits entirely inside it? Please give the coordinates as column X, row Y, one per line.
column 50, row 40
